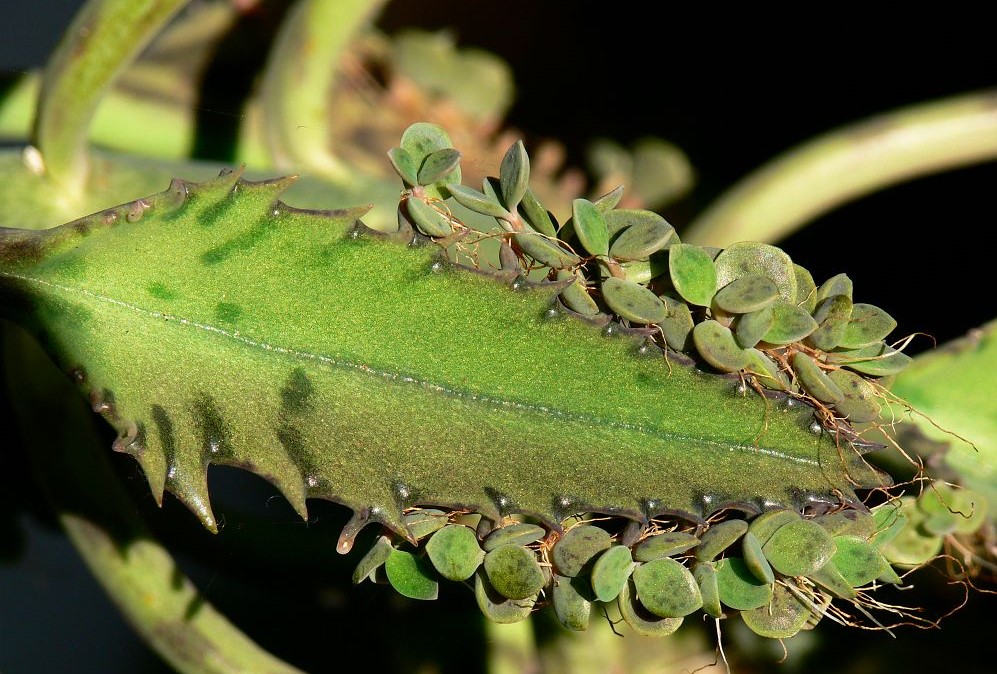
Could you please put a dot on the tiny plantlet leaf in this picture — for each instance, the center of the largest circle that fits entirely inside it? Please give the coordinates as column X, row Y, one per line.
column 590, row 227
column 438, row 166
column 410, row 576
column 514, row 175
column 693, row 273
column 477, row 201
column 404, row 165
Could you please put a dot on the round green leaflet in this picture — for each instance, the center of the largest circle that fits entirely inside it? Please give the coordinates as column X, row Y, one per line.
column 430, row 221
column 438, row 165
column 575, row 552
column 889, row 520
column 717, row 346
column 514, row 572
column 666, row 544
column 424, row 521
column 666, row 588
column 572, row 602
column 838, row 284
column 746, row 294
column 831, row 579
column 832, row 316
column 410, row 576
column 790, row 323
column 754, row 558
column 799, row 548
column 497, row 608
column 859, row 402
column 632, row 301
column 514, row 175
column 705, row 574
column 677, row 326
column 858, row 560
column 719, row 537
column 766, row 524
column 738, row 587
column 404, row 165
column 611, row 571
column 912, row 545
column 868, row 324
column 766, row 370
column 813, row 379
column 848, row 522
column 748, row 257
column 781, row 618
column 806, row 290
column 751, row 327
column 692, row 273
column 536, row 214
column 545, row 251
column 590, row 227
column 641, row 620
column 455, row 553
column 645, row 236
column 476, row 201
column 421, row 140
column 521, row 533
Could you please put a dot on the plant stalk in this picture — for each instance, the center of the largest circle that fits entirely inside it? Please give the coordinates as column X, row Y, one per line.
column 104, row 37
column 849, row 163
column 298, row 79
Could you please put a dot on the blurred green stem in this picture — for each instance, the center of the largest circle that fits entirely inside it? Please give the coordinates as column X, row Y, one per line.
column 848, row 163
column 103, row 38
column 511, row 648
column 140, row 576
column 298, row 79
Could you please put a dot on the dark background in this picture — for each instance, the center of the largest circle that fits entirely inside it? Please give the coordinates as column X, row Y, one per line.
column 733, row 87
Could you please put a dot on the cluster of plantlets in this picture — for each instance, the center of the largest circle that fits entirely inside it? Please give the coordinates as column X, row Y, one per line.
column 780, row 570
column 746, row 309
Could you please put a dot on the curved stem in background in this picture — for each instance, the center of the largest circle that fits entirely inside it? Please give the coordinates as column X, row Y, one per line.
column 298, row 78
column 139, row 575
column 848, row 163
column 104, row 37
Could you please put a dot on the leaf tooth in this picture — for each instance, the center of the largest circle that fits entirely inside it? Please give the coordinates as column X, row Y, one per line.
column 356, row 523
column 217, row 189
column 192, row 490
column 132, row 440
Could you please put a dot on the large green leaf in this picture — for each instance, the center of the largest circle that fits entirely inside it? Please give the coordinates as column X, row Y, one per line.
column 954, row 390
column 211, row 323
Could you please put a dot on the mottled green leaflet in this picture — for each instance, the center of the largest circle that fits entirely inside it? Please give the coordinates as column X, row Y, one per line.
column 513, row 571
column 610, row 573
column 783, row 617
column 576, row 551
column 454, row 552
column 640, row 619
column 411, row 576
column 738, row 587
column 520, row 533
column 693, row 273
column 514, row 175
column 665, row 544
column 666, row 588
column 572, row 598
